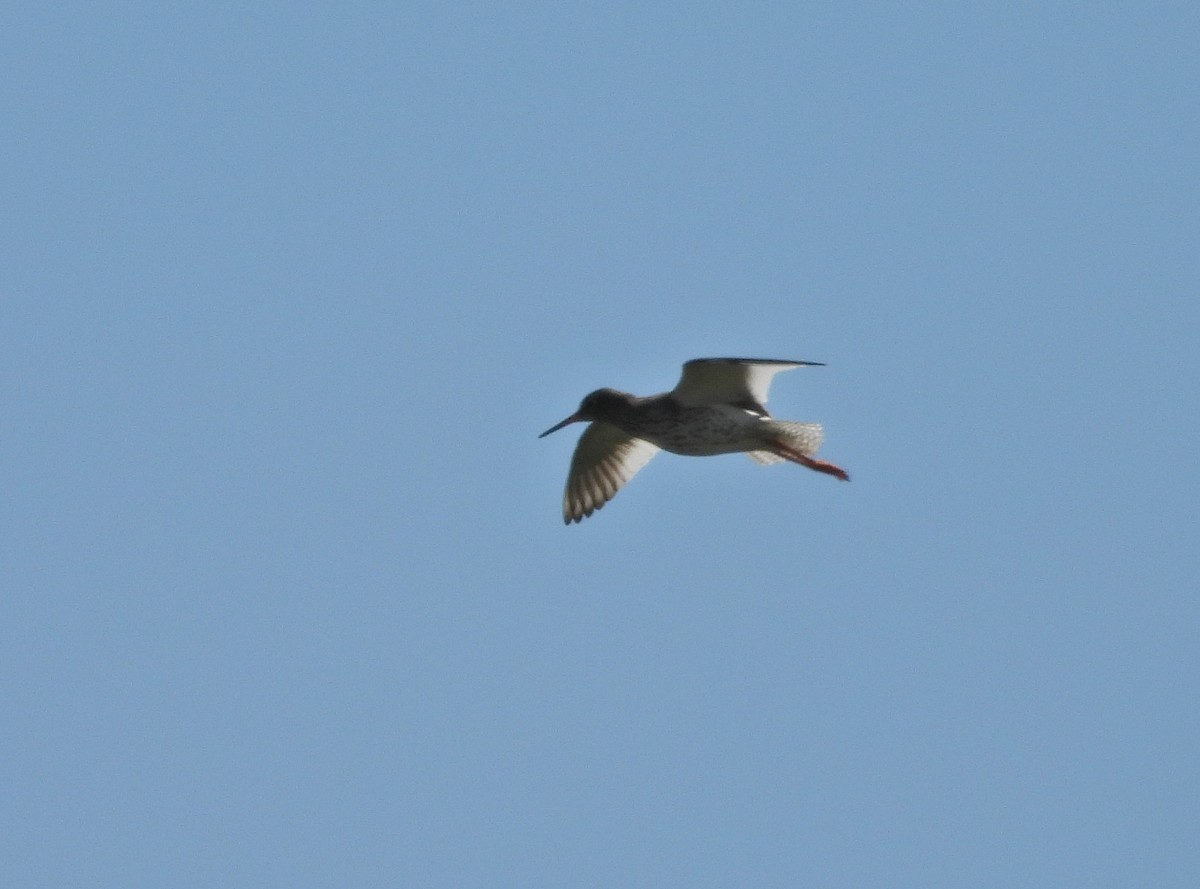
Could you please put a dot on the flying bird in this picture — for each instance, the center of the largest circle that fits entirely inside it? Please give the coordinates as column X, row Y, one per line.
column 716, row 408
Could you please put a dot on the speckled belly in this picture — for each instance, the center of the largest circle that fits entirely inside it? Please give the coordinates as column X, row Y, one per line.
column 703, row 432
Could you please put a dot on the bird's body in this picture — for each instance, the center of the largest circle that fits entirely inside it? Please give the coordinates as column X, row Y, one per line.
column 717, row 408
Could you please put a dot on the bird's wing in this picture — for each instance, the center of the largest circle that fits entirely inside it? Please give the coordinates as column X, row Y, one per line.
column 604, row 460
column 740, row 381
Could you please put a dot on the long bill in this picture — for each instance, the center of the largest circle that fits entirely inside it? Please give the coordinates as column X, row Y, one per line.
column 574, row 418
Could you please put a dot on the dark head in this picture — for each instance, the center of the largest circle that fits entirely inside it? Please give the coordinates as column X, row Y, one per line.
column 603, row 404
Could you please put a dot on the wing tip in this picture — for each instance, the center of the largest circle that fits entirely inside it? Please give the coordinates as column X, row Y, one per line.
column 578, row 512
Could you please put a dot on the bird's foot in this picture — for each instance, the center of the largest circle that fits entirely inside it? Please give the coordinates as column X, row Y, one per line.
column 815, row 465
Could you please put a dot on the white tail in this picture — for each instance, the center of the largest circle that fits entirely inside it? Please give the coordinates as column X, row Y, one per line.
column 802, row 437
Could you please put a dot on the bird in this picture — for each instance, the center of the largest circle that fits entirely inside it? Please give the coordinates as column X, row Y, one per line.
column 717, row 407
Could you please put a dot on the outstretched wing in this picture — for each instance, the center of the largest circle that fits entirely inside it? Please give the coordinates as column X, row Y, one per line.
column 740, row 381
column 604, row 460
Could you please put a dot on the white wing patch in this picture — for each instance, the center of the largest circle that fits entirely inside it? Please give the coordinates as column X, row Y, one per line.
column 604, row 461
column 728, row 380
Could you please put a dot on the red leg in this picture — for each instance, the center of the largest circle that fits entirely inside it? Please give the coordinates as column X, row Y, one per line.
column 816, row 465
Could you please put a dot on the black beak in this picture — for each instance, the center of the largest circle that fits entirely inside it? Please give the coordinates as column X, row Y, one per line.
column 574, row 418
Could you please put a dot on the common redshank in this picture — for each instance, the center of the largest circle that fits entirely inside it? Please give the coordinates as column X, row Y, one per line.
column 716, row 408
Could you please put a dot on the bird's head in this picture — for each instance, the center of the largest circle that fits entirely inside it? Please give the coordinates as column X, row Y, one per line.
column 602, row 404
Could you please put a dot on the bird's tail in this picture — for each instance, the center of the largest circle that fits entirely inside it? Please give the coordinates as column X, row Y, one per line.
column 802, row 437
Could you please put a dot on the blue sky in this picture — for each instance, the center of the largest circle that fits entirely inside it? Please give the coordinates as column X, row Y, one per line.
column 287, row 295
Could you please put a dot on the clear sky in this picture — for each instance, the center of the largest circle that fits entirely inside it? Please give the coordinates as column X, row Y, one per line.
column 287, row 294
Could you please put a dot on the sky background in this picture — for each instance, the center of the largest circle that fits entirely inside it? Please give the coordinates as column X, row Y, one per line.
column 287, row 294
